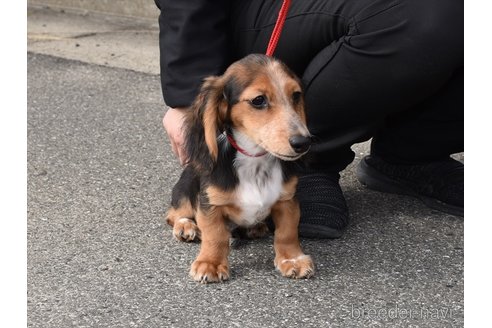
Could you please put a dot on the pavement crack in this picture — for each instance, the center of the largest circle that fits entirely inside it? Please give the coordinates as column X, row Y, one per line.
column 84, row 35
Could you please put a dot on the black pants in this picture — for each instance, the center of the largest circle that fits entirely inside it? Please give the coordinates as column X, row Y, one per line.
column 392, row 70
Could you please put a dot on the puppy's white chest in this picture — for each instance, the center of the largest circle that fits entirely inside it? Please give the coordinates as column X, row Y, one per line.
column 260, row 186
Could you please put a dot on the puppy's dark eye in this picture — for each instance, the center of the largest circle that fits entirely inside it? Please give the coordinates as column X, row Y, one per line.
column 259, row 102
column 296, row 97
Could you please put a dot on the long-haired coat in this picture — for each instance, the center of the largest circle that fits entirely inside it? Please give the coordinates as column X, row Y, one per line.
column 244, row 131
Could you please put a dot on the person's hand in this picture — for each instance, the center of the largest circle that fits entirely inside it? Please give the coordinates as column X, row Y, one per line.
column 173, row 124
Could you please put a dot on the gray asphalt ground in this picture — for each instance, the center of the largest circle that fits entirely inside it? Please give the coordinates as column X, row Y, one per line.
column 100, row 172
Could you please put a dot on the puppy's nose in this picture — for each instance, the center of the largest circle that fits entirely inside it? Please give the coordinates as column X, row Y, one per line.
column 299, row 143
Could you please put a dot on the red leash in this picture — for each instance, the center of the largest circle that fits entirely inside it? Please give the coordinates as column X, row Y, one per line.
column 277, row 30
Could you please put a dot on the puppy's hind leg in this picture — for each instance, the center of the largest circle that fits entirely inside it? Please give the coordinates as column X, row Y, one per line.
column 183, row 222
column 257, row 231
column 181, row 215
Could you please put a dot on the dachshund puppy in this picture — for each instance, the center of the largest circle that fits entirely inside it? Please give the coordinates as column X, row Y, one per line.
column 244, row 131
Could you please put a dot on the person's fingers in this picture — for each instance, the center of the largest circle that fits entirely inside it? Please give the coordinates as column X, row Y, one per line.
column 173, row 124
column 174, row 147
column 182, row 155
column 178, row 149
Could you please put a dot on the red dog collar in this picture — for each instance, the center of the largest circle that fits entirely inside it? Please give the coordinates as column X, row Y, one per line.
column 234, row 144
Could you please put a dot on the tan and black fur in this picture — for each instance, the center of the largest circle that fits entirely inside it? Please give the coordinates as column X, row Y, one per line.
column 221, row 187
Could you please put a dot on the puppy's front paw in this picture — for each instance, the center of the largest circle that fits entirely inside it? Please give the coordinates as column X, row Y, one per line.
column 186, row 230
column 206, row 272
column 298, row 267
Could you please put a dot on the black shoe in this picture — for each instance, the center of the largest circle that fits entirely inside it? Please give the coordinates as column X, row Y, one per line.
column 324, row 213
column 440, row 185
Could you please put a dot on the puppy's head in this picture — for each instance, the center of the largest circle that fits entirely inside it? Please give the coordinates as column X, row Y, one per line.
column 262, row 99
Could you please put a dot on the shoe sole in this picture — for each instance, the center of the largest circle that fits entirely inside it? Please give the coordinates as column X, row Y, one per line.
column 313, row 231
column 375, row 180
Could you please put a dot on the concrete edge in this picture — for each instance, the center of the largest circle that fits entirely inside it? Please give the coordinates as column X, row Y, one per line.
column 92, row 11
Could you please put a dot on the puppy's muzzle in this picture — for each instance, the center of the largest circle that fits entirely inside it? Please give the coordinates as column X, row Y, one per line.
column 300, row 143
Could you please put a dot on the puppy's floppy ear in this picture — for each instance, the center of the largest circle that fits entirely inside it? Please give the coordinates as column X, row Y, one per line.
column 212, row 112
